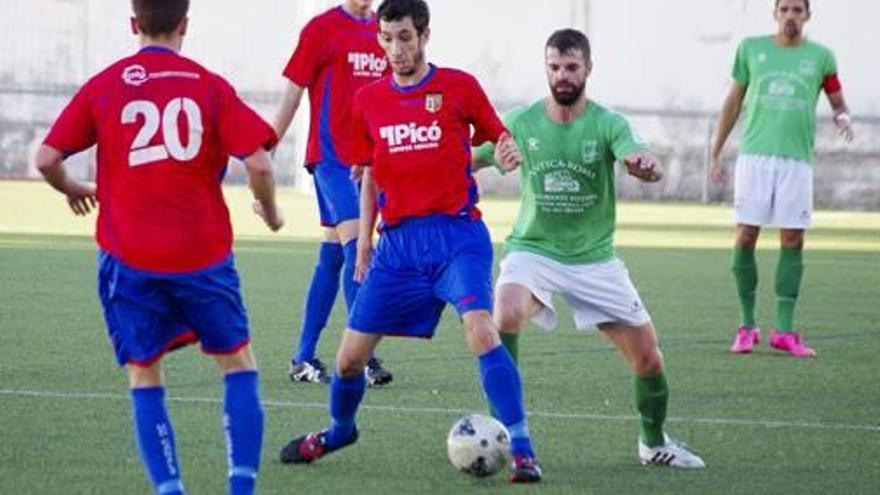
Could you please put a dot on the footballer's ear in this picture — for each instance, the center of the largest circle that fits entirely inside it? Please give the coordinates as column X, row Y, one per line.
column 426, row 34
column 135, row 29
column 182, row 26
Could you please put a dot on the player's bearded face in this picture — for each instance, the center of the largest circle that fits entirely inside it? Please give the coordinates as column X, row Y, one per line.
column 791, row 16
column 567, row 75
column 404, row 46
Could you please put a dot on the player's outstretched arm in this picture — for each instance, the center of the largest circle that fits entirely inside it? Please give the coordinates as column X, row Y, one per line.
column 262, row 182
column 81, row 197
column 644, row 166
column 367, row 225
column 730, row 111
column 289, row 105
column 841, row 116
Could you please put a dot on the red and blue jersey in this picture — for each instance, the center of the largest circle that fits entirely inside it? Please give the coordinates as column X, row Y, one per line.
column 336, row 55
column 165, row 128
column 418, row 140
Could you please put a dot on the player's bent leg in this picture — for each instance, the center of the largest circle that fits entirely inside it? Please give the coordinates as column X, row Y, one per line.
column 745, row 273
column 502, row 385
column 514, row 306
column 789, row 273
column 153, row 430
column 243, row 418
column 347, row 390
column 347, row 231
column 638, row 344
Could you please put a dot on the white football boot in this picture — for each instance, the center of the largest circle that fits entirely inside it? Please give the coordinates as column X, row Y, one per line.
column 671, row 453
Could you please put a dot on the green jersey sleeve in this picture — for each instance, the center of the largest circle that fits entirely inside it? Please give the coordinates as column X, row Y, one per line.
column 484, row 155
column 830, row 63
column 741, row 64
column 622, row 138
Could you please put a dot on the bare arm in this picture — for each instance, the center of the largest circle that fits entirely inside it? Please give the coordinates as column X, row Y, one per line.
column 81, row 197
column 730, row 111
column 367, row 225
column 841, row 115
column 262, row 182
column 289, row 105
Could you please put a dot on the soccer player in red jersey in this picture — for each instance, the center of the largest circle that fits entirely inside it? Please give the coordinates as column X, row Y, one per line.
column 413, row 134
column 165, row 128
column 337, row 53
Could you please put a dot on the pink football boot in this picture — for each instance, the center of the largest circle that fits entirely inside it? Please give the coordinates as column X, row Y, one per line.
column 746, row 338
column 792, row 343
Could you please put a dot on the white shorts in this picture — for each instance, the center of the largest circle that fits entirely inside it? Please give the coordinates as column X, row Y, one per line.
column 595, row 292
column 773, row 191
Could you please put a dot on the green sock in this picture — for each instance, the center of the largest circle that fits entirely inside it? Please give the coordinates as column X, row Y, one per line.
column 511, row 342
column 652, row 395
column 745, row 272
column 789, row 272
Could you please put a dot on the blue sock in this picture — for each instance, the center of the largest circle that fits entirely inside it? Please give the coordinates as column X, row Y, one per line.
column 349, row 286
column 319, row 300
column 502, row 386
column 346, row 395
column 243, row 423
column 155, row 439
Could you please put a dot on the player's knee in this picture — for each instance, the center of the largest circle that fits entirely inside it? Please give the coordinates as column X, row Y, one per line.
column 649, row 364
column 511, row 318
column 481, row 333
column 348, row 366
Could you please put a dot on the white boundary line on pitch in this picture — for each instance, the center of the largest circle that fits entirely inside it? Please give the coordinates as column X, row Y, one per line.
column 440, row 410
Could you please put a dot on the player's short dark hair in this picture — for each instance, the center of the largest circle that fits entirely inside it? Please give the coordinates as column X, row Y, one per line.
column 806, row 4
column 158, row 17
column 569, row 40
column 397, row 10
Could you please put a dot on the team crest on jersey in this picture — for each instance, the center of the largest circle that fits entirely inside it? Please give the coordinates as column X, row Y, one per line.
column 590, row 152
column 433, row 102
column 532, row 144
column 135, row 75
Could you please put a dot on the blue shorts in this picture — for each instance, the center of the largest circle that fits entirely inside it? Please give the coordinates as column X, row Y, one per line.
column 149, row 314
column 418, row 267
column 338, row 197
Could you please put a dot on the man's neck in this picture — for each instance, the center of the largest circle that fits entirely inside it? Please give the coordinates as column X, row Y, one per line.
column 414, row 78
column 355, row 11
column 785, row 41
column 565, row 114
column 172, row 44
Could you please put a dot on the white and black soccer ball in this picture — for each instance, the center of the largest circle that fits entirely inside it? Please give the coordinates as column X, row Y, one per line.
column 478, row 445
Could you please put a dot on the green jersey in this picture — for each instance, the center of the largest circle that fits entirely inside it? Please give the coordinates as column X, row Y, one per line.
column 783, row 84
column 567, row 210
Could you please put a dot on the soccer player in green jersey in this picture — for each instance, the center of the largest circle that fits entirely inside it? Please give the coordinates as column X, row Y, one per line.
column 780, row 78
column 562, row 241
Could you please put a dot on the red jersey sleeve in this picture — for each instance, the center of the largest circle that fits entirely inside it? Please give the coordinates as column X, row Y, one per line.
column 75, row 128
column 242, row 131
column 309, row 57
column 362, row 142
column 487, row 124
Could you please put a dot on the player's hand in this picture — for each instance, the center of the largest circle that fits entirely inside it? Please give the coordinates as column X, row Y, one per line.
column 364, row 257
column 82, row 198
column 507, row 153
column 644, row 166
column 717, row 171
column 274, row 221
column 357, row 172
column 844, row 127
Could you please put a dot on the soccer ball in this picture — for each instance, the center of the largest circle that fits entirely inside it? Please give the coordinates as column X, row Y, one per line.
column 478, row 445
